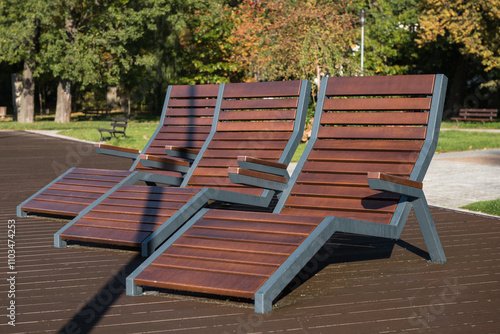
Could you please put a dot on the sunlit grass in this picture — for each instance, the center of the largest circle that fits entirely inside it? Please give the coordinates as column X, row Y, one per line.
column 489, row 207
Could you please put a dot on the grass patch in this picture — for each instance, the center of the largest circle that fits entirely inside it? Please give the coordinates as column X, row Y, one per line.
column 469, row 125
column 488, row 207
column 454, row 140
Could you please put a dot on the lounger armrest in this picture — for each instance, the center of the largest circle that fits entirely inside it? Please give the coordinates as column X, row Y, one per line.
column 181, row 152
column 117, row 151
column 165, row 163
column 395, row 184
column 259, row 173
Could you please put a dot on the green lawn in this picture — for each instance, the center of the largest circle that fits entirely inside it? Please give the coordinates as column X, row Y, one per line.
column 140, row 130
column 489, row 207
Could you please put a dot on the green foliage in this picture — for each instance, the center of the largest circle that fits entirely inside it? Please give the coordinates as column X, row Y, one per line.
column 489, row 207
column 473, row 25
column 281, row 39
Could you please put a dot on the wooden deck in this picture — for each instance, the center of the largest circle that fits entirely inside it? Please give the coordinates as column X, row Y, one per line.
column 354, row 285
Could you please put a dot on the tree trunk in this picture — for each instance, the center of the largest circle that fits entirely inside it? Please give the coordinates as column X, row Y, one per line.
column 63, row 107
column 26, row 113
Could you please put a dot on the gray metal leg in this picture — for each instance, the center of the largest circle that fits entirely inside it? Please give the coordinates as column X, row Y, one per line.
column 265, row 296
column 428, row 230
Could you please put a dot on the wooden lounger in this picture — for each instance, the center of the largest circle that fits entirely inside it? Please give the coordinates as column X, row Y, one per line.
column 362, row 171
column 264, row 120
column 184, row 126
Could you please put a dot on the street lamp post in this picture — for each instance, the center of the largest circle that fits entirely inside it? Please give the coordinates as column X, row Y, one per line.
column 362, row 21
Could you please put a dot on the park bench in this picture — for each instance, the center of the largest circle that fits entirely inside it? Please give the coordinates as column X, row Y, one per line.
column 362, row 170
column 479, row 115
column 119, row 125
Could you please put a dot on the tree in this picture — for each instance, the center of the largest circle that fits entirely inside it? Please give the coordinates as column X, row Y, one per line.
column 282, row 39
column 20, row 23
column 472, row 25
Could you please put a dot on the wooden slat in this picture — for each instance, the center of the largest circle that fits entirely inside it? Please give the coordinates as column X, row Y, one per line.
column 259, row 247
column 247, row 236
column 200, row 91
column 395, row 179
column 252, row 226
column 375, row 118
column 416, row 103
column 255, row 126
column 399, row 133
column 322, row 203
column 260, row 145
column 184, row 121
column 262, row 89
column 233, row 255
column 123, row 217
column 252, row 136
column 357, row 168
column 52, row 208
column 374, row 145
column 125, row 204
column 261, row 217
column 190, row 112
column 104, row 172
column 118, row 225
column 179, row 279
column 258, row 104
column 233, row 154
column 381, row 218
column 204, row 265
column 340, row 191
column 257, row 115
column 381, row 85
column 104, row 235
column 364, row 156
column 192, row 103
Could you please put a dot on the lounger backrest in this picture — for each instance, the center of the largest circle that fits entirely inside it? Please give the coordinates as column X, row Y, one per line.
column 188, row 114
column 366, row 124
column 261, row 120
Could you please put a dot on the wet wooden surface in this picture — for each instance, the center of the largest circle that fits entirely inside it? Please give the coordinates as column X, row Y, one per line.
column 354, row 284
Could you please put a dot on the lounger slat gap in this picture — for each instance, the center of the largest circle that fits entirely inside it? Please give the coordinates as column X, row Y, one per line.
column 373, row 145
column 177, row 279
column 232, row 256
column 174, row 121
column 255, row 126
column 365, row 167
column 280, row 228
column 259, row 248
column 68, row 200
column 138, row 203
column 341, row 192
column 214, row 266
column 135, row 211
column 259, row 104
column 125, row 218
column 71, row 194
column 364, row 156
column 261, row 136
column 102, row 235
column 156, row 190
column 375, row 118
column 372, row 104
column 366, row 204
column 382, row 218
column 382, row 86
column 279, row 239
column 192, row 103
column 399, row 133
column 142, row 227
column 190, row 112
column 233, row 154
column 99, row 172
column 261, row 217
